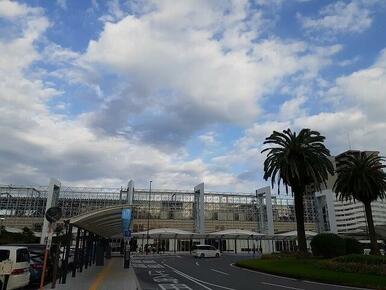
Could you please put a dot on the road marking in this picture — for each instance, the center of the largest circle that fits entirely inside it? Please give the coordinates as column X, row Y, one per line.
column 293, row 279
column 333, row 285
column 197, row 264
column 188, row 277
column 282, row 286
column 221, row 272
column 197, row 280
column 101, row 276
column 262, row 273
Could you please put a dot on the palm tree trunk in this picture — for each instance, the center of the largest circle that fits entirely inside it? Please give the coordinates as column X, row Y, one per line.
column 299, row 212
column 370, row 225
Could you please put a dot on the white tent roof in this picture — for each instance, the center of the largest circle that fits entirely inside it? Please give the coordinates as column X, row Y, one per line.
column 165, row 233
column 234, row 234
column 295, row 233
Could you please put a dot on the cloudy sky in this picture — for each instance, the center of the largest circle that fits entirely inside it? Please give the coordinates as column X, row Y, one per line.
column 96, row 93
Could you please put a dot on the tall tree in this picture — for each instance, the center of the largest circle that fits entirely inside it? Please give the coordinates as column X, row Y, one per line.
column 297, row 160
column 361, row 177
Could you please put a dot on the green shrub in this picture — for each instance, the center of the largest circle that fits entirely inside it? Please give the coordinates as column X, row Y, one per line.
column 328, row 245
column 362, row 259
column 350, row 267
column 353, row 246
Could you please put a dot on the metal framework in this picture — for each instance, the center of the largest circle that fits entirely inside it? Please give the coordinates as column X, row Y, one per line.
column 173, row 205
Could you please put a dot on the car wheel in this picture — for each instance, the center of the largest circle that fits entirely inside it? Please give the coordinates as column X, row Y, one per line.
column 217, row 255
column 202, row 255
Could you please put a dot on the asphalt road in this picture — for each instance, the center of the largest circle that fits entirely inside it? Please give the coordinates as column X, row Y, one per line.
column 186, row 272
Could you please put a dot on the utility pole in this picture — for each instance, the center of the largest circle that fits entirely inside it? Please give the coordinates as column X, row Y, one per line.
column 148, row 218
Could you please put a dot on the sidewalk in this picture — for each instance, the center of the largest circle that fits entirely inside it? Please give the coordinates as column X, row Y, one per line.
column 112, row 276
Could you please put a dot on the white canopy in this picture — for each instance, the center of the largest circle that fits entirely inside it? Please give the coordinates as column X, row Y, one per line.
column 295, row 233
column 235, row 233
column 165, row 233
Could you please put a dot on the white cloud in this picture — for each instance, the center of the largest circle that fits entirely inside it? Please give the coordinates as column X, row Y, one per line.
column 62, row 4
column 114, row 11
column 10, row 9
column 365, row 89
column 292, row 108
column 177, row 68
column 340, row 17
column 185, row 65
column 208, row 139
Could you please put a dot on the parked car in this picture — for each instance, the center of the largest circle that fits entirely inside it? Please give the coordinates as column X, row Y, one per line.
column 36, row 252
column 202, row 251
column 20, row 258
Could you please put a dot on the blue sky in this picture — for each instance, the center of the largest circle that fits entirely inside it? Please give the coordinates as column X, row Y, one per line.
column 96, row 93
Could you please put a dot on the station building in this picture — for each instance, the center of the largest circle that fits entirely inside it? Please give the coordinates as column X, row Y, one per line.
column 245, row 217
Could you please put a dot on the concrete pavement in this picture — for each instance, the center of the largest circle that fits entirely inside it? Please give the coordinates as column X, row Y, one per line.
column 111, row 276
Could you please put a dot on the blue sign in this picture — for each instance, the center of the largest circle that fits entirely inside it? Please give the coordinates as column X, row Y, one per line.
column 126, row 219
column 126, row 214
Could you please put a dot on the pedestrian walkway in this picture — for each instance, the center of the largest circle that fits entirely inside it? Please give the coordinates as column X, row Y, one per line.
column 112, row 276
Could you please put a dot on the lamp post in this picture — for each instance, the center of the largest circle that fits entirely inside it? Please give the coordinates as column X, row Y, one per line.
column 148, row 219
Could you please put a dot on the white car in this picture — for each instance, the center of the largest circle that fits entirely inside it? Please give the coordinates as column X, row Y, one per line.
column 19, row 256
column 202, row 251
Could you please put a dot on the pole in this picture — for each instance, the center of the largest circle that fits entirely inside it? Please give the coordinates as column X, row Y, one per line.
column 148, row 219
column 48, row 245
column 76, row 253
column 67, row 253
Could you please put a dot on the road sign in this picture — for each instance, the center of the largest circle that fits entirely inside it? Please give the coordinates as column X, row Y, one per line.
column 53, row 214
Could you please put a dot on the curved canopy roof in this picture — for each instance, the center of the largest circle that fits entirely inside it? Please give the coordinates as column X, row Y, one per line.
column 105, row 222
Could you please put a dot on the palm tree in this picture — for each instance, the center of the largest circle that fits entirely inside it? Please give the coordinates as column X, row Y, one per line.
column 361, row 177
column 297, row 161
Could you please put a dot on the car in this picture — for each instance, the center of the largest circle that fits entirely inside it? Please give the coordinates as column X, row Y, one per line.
column 36, row 252
column 202, row 251
column 20, row 274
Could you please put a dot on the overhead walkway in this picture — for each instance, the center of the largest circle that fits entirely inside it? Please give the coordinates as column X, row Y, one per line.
column 91, row 248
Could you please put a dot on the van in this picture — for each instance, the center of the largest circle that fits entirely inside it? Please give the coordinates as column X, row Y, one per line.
column 19, row 256
column 202, row 251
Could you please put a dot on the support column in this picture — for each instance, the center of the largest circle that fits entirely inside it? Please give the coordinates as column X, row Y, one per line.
column 199, row 208
column 82, row 251
column 87, row 248
column 67, row 253
column 76, row 253
column 94, row 249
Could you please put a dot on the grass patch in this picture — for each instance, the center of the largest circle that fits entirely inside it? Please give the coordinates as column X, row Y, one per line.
column 313, row 269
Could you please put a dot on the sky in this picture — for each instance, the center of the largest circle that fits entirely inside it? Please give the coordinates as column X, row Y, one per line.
column 96, row 93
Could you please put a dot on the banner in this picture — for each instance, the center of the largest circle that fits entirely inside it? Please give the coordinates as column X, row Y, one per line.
column 126, row 219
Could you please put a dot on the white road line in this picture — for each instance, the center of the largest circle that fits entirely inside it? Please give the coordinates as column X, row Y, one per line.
column 262, row 273
column 188, row 277
column 196, row 280
column 333, row 285
column 221, row 272
column 282, row 286
column 197, row 264
column 293, row 279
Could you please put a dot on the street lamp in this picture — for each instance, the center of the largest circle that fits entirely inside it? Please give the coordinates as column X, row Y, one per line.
column 148, row 219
